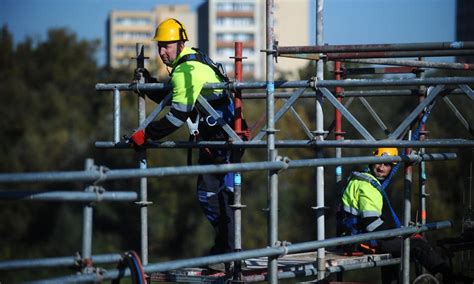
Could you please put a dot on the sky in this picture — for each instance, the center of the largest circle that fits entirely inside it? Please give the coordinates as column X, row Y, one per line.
column 345, row 21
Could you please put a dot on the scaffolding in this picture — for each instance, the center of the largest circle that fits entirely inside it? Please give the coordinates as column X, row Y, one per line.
column 279, row 260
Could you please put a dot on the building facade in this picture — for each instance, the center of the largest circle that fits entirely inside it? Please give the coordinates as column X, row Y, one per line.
column 292, row 28
column 127, row 28
column 228, row 21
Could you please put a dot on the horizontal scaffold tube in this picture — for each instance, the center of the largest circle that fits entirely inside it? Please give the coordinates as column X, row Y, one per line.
column 247, row 254
column 103, row 175
column 388, row 54
column 70, row 196
column 332, row 269
column 376, row 47
column 413, row 63
column 298, row 84
column 429, row 143
column 65, row 261
column 346, row 94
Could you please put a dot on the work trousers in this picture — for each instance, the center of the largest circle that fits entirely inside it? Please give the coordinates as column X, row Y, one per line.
column 215, row 199
column 216, row 191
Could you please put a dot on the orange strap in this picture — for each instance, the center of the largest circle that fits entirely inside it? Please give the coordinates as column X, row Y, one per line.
column 367, row 248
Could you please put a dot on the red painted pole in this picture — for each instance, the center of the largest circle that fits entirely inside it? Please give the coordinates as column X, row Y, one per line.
column 238, row 93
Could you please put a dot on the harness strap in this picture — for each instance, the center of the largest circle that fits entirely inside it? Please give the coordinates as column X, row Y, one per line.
column 204, row 59
column 381, row 189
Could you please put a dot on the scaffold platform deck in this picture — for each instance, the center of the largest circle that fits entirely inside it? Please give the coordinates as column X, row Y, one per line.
column 255, row 269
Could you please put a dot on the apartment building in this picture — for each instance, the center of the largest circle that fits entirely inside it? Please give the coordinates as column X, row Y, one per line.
column 127, row 28
column 292, row 28
column 228, row 21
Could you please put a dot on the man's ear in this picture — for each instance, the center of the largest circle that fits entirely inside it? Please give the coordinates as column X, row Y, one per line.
column 181, row 45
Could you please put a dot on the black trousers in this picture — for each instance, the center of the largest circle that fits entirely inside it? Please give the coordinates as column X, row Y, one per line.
column 215, row 191
column 420, row 251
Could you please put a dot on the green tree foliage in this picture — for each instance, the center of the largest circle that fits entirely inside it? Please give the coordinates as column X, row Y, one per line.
column 51, row 117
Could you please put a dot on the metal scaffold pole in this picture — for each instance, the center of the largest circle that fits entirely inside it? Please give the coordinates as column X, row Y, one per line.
column 116, row 115
column 405, row 259
column 142, row 164
column 319, row 136
column 272, row 195
column 87, row 226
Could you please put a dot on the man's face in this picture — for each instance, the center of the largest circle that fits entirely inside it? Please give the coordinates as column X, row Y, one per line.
column 169, row 51
column 381, row 171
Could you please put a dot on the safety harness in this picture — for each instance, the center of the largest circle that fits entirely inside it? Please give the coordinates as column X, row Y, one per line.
column 193, row 121
column 204, row 59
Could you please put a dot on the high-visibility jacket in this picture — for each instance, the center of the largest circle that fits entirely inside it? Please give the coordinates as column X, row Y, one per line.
column 362, row 206
column 187, row 80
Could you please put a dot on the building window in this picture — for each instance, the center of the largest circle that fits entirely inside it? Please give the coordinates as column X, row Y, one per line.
column 247, row 52
column 235, row 36
column 231, row 7
column 225, row 52
column 235, row 22
column 132, row 35
column 229, row 52
column 129, row 21
column 246, row 68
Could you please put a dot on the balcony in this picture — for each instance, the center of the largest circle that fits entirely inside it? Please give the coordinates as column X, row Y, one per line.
column 231, row 44
column 235, row 14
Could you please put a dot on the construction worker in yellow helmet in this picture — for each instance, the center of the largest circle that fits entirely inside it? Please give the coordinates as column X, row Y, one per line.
column 190, row 70
column 365, row 207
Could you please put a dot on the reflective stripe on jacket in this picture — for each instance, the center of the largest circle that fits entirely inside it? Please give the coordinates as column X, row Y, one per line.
column 363, row 200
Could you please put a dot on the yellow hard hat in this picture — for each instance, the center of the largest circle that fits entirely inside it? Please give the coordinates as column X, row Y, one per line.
column 386, row 151
column 170, row 30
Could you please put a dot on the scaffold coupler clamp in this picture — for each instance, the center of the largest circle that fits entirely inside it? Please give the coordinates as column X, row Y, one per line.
column 84, row 264
column 285, row 161
column 313, row 83
column 319, row 135
column 143, row 203
column 102, row 174
column 271, row 130
column 98, row 190
column 418, row 159
column 273, row 51
column 232, row 86
column 324, row 208
column 284, row 245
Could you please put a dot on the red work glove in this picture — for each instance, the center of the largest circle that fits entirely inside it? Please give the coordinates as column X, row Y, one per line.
column 138, row 137
column 416, row 236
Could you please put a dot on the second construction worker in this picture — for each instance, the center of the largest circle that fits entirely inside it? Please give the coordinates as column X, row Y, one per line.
column 190, row 70
column 365, row 208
